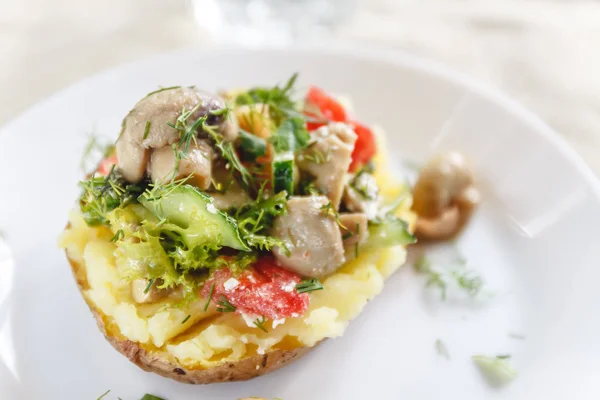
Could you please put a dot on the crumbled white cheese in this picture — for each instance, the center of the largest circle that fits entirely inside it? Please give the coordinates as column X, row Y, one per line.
column 279, row 321
column 231, row 284
column 249, row 319
column 257, row 367
column 289, row 287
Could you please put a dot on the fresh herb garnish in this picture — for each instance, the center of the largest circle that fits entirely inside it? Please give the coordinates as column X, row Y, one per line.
column 441, row 349
column 210, row 295
column 464, row 279
column 149, row 285
column 330, row 211
column 309, row 286
column 347, row 235
column 95, row 150
column 162, row 89
column 103, row 394
column 102, row 194
column 146, row 130
column 186, row 319
column 118, row 236
column 278, row 99
column 256, row 218
column 230, row 155
column 260, row 324
column 224, row 305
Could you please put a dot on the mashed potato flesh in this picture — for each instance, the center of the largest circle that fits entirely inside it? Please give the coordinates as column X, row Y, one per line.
column 208, row 338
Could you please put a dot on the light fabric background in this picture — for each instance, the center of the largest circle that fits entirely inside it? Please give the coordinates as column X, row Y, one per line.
column 543, row 53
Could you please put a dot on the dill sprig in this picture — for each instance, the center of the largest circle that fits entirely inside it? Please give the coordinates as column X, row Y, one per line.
column 118, row 236
column 464, row 279
column 186, row 319
column 329, row 210
column 223, row 305
column 256, row 218
column 210, row 295
column 307, row 286
column 260, row 324
column 278, row 98
column 102, row 194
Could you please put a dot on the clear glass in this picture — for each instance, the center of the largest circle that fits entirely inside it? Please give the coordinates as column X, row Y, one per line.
column 274, row 22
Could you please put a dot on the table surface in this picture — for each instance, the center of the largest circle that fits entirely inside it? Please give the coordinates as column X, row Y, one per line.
column 542, row 53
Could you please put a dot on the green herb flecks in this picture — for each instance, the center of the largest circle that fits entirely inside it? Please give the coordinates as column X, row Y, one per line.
column 463, row 279
column 149, row 285
column 441, row 349
column 329, row 210
column 162, row 89
column 147, row 129
column 103, row 395
column 210, row 295
column 260, row 324
column 317, row 157
column 96, row 149
column 224, row 305
column 256, row 218
column 307, row 286
column 186, row 319
column 496, row 370
column 102, row 194
column 278, row 98
column 118, row 236
column 229, row 154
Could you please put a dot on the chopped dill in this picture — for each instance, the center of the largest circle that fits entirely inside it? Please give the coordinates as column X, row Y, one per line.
column 224, row 305
column 118, row 236
column 147, row 129
column 330, row 210
column 260, row 324
column 210, row 295
column 309, row 286
column 185, row 319
column 149, row 285
column 103, row 395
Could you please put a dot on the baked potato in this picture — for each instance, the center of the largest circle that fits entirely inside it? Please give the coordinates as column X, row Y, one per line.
column 202, row 291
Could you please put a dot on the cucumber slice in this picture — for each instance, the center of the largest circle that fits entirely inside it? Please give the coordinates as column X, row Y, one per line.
column 282, row 169
column 200, row 221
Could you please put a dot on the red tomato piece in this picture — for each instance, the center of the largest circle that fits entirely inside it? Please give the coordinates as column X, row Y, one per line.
column 365, row 146
column 265, row 289
column 106, row 165
column 323, row 107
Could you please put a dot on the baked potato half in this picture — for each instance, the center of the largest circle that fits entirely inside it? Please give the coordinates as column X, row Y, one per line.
column 201, row 271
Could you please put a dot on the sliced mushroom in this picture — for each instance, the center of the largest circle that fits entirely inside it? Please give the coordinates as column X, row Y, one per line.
column 444, row 197
column 152, row 295
column 149, row 125
column 311, row 235
column 197, row 165
column 361, row 194
column 328, row 159
column 132, row 160
column 354, row 228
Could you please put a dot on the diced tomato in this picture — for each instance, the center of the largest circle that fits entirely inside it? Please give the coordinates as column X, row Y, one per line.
column 365, row 146
column 321, row 105
column 107, row 164
column 265, row 289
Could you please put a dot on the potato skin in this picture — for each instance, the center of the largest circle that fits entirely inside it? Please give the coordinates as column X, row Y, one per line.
column 227, row 372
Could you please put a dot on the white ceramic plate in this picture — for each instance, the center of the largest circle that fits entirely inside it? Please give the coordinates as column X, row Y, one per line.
column 534, row 241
